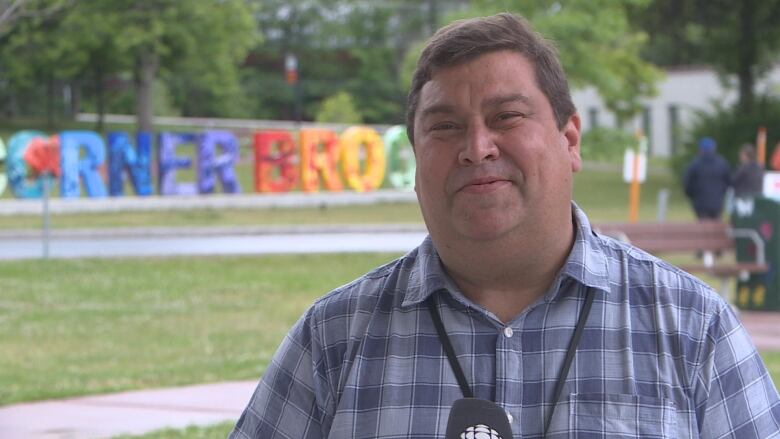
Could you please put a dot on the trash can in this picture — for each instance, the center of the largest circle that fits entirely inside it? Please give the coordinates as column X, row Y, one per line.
column 761, row 291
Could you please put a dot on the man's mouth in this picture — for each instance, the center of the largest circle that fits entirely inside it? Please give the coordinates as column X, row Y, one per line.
column 485, row 185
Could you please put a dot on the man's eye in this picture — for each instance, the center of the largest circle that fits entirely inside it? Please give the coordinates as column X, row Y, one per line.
column 442, row 126
column 508, row 116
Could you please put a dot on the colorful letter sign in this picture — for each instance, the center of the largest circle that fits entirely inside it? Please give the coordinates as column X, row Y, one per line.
column 136, row 161
column 400, row 157
column 358, row 159
column 3, row 177
column 22, row 185
column 319, row 156
column 169, row 162
column 275, row 161
column 72, row 143
column 211, row 166
column 362, row 144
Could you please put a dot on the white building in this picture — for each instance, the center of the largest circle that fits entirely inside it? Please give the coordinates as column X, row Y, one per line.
column 680, row 94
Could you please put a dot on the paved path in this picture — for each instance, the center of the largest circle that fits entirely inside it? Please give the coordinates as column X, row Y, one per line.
column 238, row 244
column 126, row 413
column 143, row 411
column 764, row 329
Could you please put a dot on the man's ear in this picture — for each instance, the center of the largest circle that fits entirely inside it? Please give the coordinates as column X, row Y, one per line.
column 572, row 135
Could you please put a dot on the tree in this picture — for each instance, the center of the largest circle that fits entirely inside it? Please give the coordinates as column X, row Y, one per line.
column 38, row 49
column 739, row 37
column 166, row 34
column 198, row 43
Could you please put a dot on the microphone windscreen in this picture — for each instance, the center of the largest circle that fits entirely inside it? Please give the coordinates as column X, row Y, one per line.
column 474, row 418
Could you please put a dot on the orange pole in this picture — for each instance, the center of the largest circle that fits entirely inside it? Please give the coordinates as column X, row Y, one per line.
column 761, row 146
column 633, row 200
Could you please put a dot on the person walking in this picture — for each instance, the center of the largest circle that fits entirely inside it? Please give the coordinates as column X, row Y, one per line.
column 748, row 179
column 706, row 181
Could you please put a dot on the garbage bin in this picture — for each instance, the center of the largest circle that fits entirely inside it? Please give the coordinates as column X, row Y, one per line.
column 761, row 291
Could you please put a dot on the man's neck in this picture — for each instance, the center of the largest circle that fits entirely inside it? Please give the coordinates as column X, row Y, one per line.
column 508, row 275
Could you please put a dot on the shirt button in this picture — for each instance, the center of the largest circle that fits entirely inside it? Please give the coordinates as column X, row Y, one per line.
column 509, row 417
column 508, row 332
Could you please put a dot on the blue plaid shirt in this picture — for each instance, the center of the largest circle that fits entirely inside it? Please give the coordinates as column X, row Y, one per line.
column 661, row 356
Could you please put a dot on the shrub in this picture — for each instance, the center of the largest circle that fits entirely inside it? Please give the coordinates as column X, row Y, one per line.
column 731, row 127
column 339, row 108
column 606, row 144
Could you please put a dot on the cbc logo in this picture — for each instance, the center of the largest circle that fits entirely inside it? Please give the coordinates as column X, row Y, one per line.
column 480, row 431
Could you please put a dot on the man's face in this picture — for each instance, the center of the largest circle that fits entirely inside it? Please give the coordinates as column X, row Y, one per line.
column 490, row 158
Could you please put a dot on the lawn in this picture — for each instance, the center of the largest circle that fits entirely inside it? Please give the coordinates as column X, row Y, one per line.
column 74, row 327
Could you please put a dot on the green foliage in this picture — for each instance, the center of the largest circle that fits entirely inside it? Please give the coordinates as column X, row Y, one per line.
column 339, row 108
column 736, row 37
column 731, row 127
column 606, row 144
column 195, row 46
column 219, row 431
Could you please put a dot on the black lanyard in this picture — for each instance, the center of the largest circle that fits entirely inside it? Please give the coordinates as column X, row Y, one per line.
column 461, row 377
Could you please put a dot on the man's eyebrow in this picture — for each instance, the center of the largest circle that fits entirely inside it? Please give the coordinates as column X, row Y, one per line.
column 498, row 100
column 438, row 109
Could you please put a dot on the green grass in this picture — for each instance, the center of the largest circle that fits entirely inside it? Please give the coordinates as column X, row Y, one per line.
column 407, row 213
column 75, row 327
column 219, row 431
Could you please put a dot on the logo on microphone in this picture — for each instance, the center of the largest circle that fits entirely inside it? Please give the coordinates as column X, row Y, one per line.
column 480, row 431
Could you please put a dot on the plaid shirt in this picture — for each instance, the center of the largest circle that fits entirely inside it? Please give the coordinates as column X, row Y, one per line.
column 661, row 356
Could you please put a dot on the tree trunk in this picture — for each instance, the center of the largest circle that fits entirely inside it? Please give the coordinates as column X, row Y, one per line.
column 50, row 103
column 146, row 65
column 100, row 97
column 75, row 103
column 747, row 55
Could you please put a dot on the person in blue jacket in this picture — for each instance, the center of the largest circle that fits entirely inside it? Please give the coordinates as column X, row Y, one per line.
column 706, row 181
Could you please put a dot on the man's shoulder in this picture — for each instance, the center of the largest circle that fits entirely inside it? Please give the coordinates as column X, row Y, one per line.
column 643, row 279
column 383, row 287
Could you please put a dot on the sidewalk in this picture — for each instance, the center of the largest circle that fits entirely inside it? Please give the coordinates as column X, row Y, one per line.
column 143, row 411
column 134, row 413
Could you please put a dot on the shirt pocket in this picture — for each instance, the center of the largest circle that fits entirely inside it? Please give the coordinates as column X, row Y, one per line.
column 618, row 416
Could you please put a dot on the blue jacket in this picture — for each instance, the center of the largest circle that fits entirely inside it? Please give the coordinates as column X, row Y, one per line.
column 706, row 181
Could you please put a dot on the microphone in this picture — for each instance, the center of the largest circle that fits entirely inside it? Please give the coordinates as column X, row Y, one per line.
column 474, row 418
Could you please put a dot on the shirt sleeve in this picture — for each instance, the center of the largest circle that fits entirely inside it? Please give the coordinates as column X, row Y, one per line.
column 286, row 403
column 736, row 397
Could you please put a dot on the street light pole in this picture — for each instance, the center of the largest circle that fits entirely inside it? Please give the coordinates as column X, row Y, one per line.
column 291, row 74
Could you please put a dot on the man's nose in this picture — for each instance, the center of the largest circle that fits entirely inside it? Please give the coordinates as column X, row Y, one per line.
column 479, row 146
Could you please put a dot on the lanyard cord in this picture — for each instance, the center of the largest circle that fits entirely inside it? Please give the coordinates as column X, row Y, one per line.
column 445, row 342
column 461, row 377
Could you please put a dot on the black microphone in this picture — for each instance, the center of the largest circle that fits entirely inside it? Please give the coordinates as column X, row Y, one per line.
column 474, row 418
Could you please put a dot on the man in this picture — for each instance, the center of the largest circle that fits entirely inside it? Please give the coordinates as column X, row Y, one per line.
column 511, row 268
column 706, row 181
column 748, row 179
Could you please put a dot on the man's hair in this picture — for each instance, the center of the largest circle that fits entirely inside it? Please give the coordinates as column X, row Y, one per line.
column 464, row 40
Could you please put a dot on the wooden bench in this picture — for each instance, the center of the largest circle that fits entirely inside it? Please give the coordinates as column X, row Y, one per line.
column 709, row 239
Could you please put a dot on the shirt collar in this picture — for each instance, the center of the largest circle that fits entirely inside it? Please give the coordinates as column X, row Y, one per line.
column 586, row 264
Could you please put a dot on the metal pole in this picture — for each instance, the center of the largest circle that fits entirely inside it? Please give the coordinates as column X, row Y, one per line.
column 663, row 201
column 45, row 215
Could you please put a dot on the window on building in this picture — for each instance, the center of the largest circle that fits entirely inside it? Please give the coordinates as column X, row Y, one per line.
column 593, row 117
column 647, row 128
column 674, row 129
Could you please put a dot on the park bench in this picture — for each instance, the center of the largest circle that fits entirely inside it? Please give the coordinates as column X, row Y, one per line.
column 708, row 240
